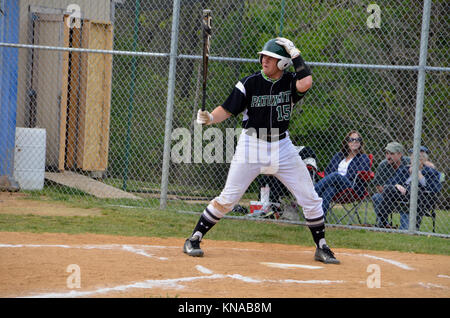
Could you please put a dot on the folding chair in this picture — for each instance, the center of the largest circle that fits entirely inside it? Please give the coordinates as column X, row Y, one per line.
column 350, row 201
column 426, row 207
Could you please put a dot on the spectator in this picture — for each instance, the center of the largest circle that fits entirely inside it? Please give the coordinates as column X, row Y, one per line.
column 400, row 190
column 385, row 172
column 341, row 172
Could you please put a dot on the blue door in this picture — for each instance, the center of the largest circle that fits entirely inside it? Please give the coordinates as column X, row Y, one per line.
column 9, row 33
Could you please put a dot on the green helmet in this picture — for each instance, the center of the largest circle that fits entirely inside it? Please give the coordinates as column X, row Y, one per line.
column 273, row 49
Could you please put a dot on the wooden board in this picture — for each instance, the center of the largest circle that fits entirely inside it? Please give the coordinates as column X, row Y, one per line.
column 63, row 100
column 88, row 185
column 73, row 99
column 95, row 97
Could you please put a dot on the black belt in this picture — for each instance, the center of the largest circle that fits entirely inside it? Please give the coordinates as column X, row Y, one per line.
column 265, row 137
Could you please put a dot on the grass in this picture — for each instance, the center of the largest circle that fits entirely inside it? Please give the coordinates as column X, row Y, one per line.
column 442, row 219
column 153, row 222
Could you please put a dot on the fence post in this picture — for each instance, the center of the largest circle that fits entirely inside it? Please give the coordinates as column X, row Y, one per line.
column 419, row 115
column 282, row 19
column 137, row 13
column 170, row 100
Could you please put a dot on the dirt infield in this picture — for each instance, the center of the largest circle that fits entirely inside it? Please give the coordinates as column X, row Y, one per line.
column 55, row 265
column 87, row 265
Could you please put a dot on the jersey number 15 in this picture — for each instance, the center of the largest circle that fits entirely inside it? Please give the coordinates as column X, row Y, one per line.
column 284, row 112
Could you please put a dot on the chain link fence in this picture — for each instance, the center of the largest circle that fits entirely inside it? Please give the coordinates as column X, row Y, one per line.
column 99, row 98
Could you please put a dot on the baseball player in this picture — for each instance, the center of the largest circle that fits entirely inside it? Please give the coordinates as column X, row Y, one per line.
column 266, row 99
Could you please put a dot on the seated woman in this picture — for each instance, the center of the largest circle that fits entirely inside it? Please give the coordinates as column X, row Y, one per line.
column 342, row 170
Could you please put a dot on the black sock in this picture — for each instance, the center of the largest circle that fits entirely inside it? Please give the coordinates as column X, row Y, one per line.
column 203, row 226
column 318, row 234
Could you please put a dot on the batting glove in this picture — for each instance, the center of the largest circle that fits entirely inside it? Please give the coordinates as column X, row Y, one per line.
column 204, row 117
column 289, row 47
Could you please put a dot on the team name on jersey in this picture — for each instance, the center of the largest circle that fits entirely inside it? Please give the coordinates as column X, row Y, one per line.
column 271, row 100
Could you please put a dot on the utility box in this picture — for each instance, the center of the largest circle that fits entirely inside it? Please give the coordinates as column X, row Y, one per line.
column 29, row 158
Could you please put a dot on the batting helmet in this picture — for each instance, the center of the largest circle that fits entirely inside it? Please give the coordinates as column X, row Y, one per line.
column 271, row 48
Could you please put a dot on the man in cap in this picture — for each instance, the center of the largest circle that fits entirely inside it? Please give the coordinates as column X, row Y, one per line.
column 385, row 173
column 399, row 190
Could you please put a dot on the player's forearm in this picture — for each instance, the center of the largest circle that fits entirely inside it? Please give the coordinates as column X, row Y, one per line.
column 302, row 73
column 219, row 115
column 304, row 84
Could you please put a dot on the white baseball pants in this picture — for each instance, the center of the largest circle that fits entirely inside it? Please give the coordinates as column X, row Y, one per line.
column 254, row 156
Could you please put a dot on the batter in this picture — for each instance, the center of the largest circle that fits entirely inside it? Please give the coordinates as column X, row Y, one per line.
column 266, row 99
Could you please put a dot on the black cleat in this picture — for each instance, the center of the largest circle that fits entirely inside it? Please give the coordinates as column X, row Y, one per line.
column 192, row 247
column 325, row 255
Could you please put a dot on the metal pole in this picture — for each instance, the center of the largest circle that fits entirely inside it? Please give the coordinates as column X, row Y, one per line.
column 282, row 18
column 137, row 13
column 220, row 58
column 419, row 115
column 170, row 100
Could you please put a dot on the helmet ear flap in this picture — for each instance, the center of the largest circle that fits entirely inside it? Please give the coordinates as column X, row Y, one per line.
column 282, row 64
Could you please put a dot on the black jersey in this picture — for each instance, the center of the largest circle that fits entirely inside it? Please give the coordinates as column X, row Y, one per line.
column 266, row 103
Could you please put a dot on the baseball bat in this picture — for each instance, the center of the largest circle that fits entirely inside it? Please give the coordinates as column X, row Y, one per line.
column 206, row 23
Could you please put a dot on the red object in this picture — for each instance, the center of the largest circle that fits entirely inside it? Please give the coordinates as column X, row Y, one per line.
column 255, row 205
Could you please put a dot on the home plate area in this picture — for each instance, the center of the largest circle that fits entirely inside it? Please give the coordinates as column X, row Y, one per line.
column 53, row 265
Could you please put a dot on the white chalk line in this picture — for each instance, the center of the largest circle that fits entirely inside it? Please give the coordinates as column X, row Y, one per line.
column 203, row 270
column 431, row 285
column 176, row 283
column 390, row 261
column 260, row 250
column 139, row 249
column 386, row 260
column 147, row 284
column 290, row 266
column 127, row 248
